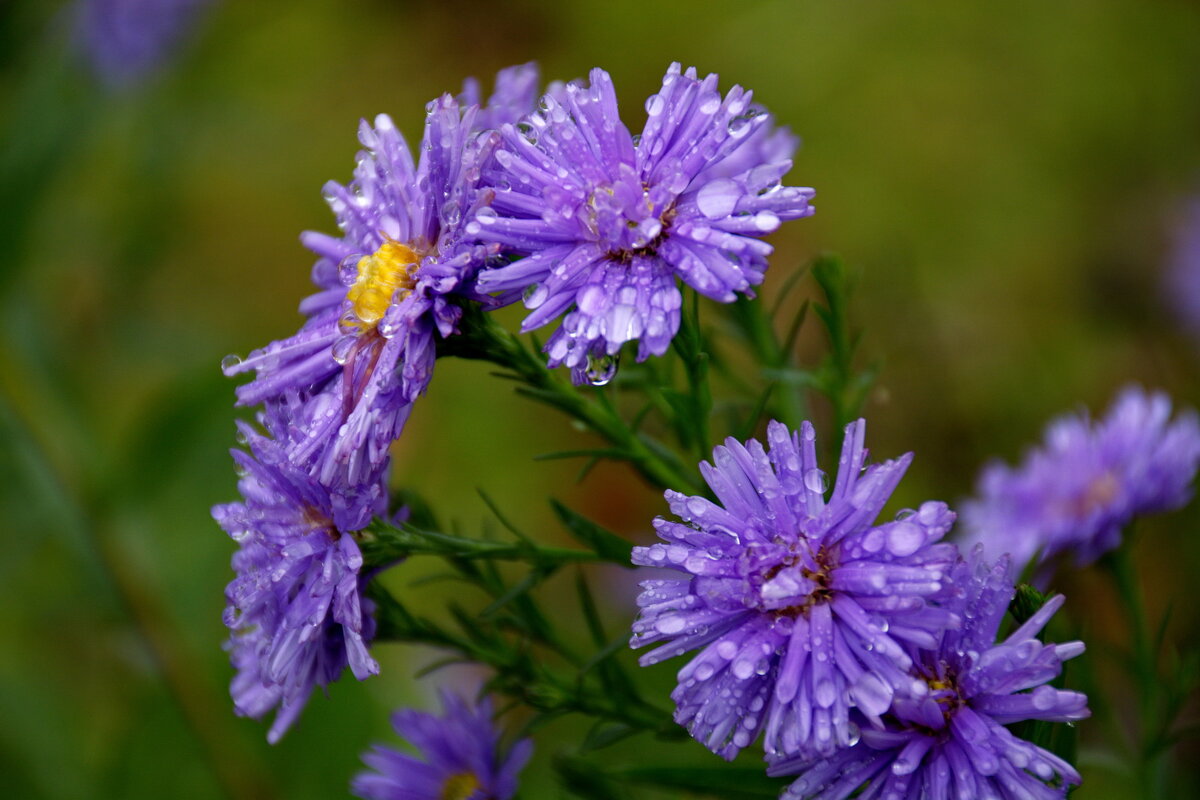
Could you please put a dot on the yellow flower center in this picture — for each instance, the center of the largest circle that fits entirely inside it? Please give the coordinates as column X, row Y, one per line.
column 388, row 270
column 459, row 786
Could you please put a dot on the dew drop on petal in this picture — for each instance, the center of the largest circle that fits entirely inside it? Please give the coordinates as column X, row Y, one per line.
column 717, row 199
column 816, row 481
column 905, row 538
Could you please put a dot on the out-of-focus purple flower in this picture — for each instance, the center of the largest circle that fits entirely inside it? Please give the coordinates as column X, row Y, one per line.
column 295, row 610
column 515, row 93
column 951, row 742
column 366, row 350
column 1087, row 481
column 126, row 39
column 460, row 757
column 1182, row 279
column 804, row 608
column 607, row 221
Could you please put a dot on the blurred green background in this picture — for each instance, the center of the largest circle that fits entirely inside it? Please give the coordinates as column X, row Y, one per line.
column 1002, row 177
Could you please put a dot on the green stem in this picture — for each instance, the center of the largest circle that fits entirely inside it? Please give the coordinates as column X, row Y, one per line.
column 383, row 543
column 1120, row 566
column 524, row 678
column 484, row 339
column 769, row 353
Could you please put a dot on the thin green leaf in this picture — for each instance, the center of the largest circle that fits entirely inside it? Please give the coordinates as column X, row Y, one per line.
column 604, row 542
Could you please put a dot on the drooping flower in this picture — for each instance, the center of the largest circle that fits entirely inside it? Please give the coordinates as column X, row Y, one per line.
column 801, row 606
column 366, row 351
column 952, row 742
column 461, row 758
column 296, row 611
column 607, row 221
column 1087, row 481
column 124, row 40
column 515, row 92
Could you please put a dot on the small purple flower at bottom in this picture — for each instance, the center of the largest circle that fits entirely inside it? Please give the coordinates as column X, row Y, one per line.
column 801, row 606
column 1086, row 482
column 296, row 613
column 460, row 757
column 952, row 742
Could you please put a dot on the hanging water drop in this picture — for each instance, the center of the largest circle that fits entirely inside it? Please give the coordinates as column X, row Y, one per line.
column 601, row 370
column 230, row 362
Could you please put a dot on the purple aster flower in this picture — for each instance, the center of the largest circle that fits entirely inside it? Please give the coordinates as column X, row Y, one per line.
column 801, row 606
column 951, row 742
column 1087, row 482
column 295, row 610
column 515, row 93
column 606, row 221
column 1182, row 279
column 462, row 758
column 366, row 350
column 126, row 39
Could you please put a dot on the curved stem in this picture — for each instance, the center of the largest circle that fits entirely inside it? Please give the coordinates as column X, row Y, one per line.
column 485, row 340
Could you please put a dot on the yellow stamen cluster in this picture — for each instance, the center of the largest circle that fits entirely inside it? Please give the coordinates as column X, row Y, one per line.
column 459, row 786
column 380, row 276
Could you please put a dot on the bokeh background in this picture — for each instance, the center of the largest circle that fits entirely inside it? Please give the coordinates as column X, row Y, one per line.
column 1005, row 180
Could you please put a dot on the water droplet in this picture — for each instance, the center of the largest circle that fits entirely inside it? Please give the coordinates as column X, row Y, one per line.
column 529, row 291
column 528, row 131
column 230, row 362
column 717, row 199
column 342, row 348
column 601, row 370
column 816, row 481
column 655, row 105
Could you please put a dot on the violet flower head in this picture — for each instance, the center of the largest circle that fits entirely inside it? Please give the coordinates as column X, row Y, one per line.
column 604, row 222
column 515, row 93
column 368, row 344
column 952, row 742
column 460, row 758
column 801, row 606
column 125, row 40
column 1087, row 481
column 296, row 611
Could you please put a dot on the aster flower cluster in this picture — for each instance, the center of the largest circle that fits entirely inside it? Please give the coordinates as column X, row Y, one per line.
column 338, row 392
column 1087, row 482
column 864, row 653
column 851, row 646
column 421, row 239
